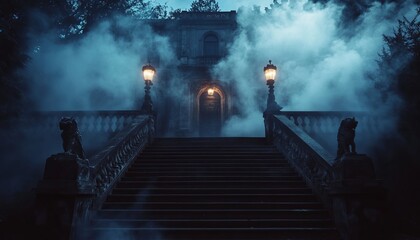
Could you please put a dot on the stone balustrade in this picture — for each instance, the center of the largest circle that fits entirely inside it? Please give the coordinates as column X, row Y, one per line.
column 76, row 188
column 329, row 121
column 306, row 155
column 347, row 186
column 108, row 165
column 323, row 126
column 88, row 121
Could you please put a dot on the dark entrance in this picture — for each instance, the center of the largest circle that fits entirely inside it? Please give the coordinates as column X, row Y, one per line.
column 210, row 115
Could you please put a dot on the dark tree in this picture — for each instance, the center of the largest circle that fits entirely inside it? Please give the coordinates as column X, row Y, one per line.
column 204, row 6
column 399, row 64
column 174, row 13
column 74, row 18
column 13, row 57
column 71, row 19
column 400, row 74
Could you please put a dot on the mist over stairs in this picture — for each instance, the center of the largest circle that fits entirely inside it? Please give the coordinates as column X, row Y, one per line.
column 212, row 188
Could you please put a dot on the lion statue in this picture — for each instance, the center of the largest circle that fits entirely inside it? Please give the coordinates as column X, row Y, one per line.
column 345, row 137
column 72, row 141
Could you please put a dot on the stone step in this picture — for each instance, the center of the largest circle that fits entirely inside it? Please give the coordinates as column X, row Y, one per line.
column 214, row 190
column 206, row 178
column 212, row 150
column 168, row 160
column 219, row 157
column 194, row 197
column 210, row 164
column 211, row 183
column 216, row 223
column 209, row 168
column 213, row 205
column 209, row 171
column 156, row 214
column 156, row 233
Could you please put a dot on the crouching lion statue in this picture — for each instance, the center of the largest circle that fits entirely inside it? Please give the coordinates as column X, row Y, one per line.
column 345, row 137
column 72, row 141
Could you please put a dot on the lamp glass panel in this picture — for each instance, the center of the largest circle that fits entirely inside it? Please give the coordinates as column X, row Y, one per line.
column 270, row 74
column 148, row 74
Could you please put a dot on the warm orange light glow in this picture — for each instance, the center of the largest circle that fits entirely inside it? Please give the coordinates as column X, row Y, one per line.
column 148, row 72
column 210, row 91
column 270, row 72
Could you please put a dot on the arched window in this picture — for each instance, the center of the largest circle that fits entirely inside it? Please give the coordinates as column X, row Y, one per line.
column 211, row 45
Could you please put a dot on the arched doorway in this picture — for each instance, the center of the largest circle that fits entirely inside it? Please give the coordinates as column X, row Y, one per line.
column 210, row 114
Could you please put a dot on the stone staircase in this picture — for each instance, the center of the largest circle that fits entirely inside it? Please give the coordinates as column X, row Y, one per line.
column 212, row 188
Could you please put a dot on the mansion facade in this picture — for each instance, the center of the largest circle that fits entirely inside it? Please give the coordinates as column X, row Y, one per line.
column 201, row 40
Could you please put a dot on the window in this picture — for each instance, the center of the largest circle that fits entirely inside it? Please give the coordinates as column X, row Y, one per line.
column 211, row 45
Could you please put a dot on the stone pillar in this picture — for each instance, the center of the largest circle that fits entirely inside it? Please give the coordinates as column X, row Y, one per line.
column 358, row 199
column 64, row 197
column 272, row 109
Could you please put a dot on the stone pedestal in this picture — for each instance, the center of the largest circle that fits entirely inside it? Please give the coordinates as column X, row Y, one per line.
column 64, row 196
column 358, row 199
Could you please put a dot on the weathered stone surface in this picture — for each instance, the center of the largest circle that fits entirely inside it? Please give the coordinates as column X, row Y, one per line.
column 358, row 199
column 72, row 140
column 66, row 174
column 353, row 169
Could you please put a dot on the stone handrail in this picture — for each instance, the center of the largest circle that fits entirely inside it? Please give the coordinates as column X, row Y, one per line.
column 108, row 165
column 322, row 126
column 314, row 122
column 76, row 188
column 307, row 156
column 348, row 186
column 88, row 121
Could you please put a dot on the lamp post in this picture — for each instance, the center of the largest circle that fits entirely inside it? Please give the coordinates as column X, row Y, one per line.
column 270, row 72
column 148, row 74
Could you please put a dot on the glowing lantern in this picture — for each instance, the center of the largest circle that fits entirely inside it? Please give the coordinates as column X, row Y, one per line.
column 210, row 91
column 270, row 72
column 148, row 72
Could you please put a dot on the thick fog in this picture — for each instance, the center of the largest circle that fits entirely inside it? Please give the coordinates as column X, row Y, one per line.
column 100, row 71
column 323, row 63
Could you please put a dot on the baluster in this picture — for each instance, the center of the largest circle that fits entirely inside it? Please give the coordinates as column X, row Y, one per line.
column 329, row 128
column 91, row 123
column 98, row 124
column 324, row 127
column 299, row 120
column 107, row 124
column 128, row 120
column 307, row 124
column 317, row 125
column 292, row 118
column 121, row 122
column 113, row 124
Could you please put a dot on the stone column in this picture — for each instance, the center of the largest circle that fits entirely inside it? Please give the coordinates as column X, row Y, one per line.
column 64, row 197
column 358, row 199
